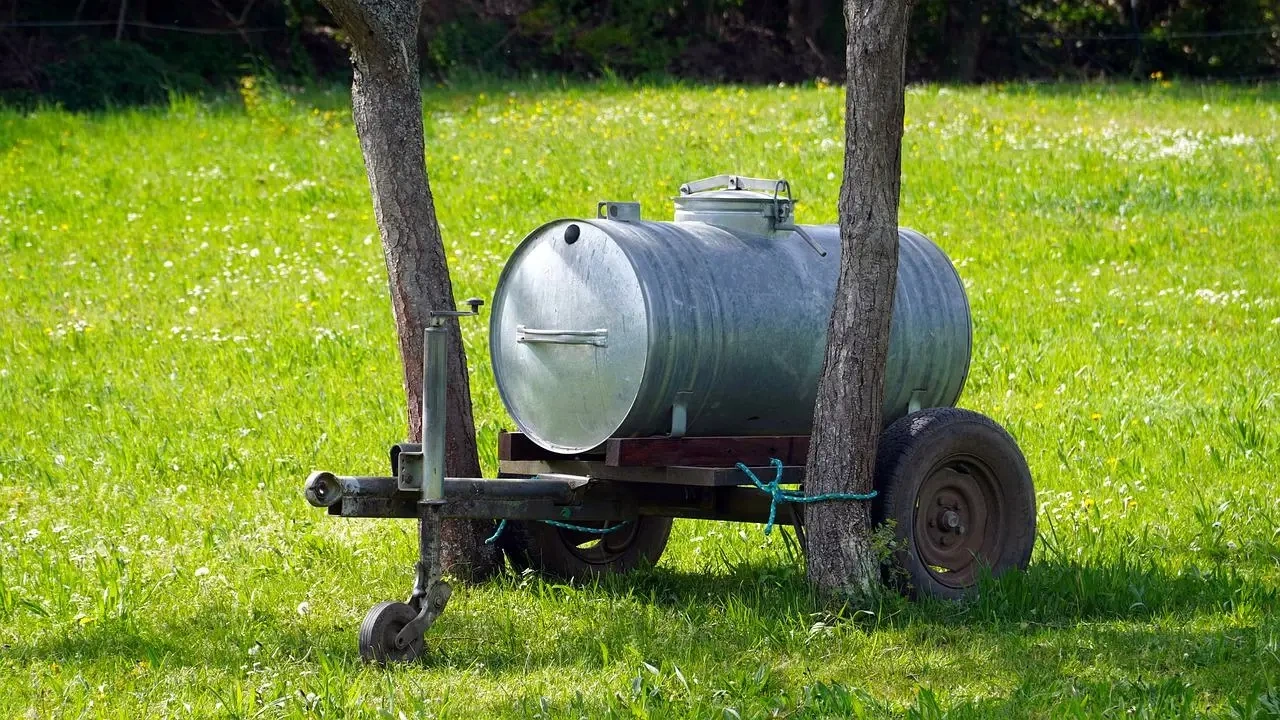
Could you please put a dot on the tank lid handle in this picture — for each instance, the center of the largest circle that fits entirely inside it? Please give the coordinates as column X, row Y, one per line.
column 737, row 182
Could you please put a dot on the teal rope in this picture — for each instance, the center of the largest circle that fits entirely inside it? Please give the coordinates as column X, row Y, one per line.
column 579, row 528
column 497, row 533
column 778, row 495
column 564, row 526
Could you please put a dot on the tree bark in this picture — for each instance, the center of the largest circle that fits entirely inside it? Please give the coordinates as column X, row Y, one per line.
column 847, row 415
column 386, row 103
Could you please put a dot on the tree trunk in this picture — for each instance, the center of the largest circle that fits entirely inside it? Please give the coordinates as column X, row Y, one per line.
column 846, row 418
column 387, row 106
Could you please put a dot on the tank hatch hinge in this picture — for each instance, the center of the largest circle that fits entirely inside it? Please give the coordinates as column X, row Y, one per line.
column 680, row 413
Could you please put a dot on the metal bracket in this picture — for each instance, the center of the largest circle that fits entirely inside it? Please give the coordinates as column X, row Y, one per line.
column 915, row 404
column 430, row 593
column 680, row 413
column 619, row 211
column 411, row 466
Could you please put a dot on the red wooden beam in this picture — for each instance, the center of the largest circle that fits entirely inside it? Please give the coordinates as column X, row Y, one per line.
column 517, row 446
column 706, row 451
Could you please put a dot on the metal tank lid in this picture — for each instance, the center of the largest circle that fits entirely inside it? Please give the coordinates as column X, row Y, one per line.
column 726, row 199
column 753, row 205
column 569, row 336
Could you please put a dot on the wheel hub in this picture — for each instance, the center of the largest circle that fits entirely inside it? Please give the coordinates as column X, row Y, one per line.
column 949, row 520
column 957, row 520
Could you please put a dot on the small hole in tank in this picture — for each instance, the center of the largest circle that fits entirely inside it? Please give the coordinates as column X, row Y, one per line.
column 571, row 234
column 753, row 417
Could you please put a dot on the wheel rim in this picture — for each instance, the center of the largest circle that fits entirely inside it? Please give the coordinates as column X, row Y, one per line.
column 598, row 549
column 959, row 513
column 390, row 633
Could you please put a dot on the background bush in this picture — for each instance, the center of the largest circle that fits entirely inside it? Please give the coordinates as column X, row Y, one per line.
column 76, row 52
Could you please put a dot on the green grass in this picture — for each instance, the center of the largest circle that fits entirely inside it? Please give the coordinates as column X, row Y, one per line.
column 193, row 315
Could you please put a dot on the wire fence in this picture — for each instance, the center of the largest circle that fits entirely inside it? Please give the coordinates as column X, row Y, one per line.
column 1130, row 37
column 1273, row 30
column 37, row 24
column 1029, row 54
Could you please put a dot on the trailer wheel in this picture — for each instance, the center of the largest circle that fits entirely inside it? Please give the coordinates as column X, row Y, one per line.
column 960, row 493
column 569, row 554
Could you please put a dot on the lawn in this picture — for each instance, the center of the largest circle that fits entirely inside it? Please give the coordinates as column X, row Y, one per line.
column 194, row 315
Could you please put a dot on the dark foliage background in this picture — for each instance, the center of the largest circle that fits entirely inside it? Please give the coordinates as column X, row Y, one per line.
column 87, row 53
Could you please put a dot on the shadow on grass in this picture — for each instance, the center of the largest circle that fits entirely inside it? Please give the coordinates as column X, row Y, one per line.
column 769, row 607
column 211, row 637
column 1028, row 623
column 1049, row 592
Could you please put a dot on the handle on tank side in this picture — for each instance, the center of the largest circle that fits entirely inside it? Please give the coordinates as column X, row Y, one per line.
column 598, row 337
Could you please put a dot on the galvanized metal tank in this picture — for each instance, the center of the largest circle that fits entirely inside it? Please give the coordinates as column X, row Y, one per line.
column 714, row 324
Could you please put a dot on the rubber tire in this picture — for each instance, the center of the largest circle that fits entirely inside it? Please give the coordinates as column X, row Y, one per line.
column 914, row 445
column 378, row 632
column 534, row 545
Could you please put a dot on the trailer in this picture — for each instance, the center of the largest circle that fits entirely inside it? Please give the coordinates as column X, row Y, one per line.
column 662, row 370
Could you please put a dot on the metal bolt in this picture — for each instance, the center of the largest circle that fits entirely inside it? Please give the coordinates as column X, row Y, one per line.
column 940, row 503
column 951, row 519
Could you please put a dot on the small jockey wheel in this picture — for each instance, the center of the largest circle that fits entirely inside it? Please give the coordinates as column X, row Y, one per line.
column 380, row 631
column 393, row 631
